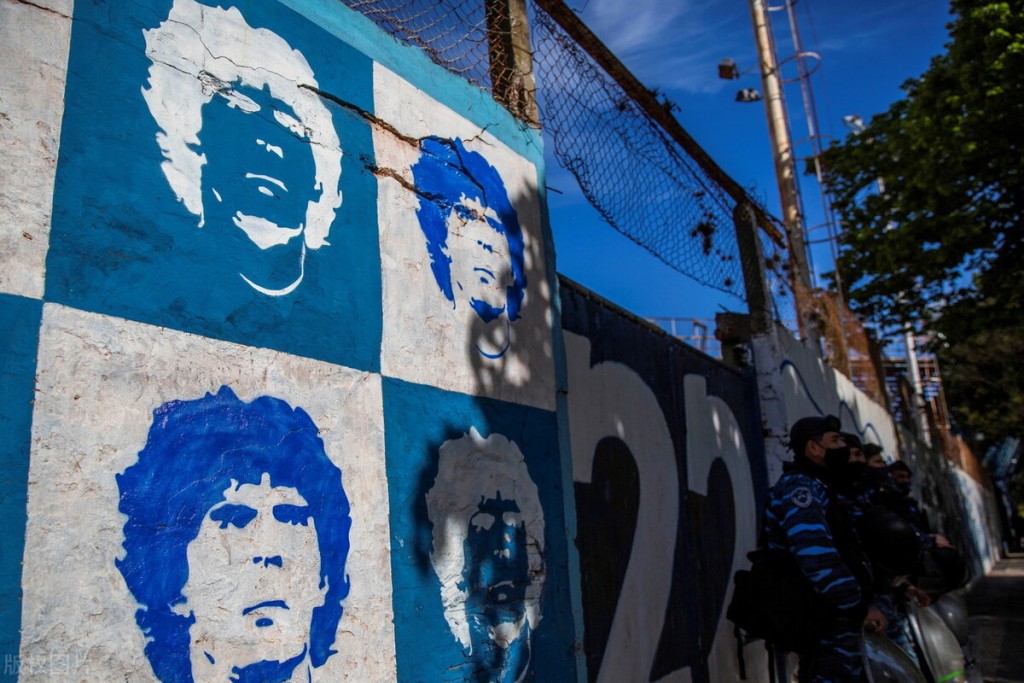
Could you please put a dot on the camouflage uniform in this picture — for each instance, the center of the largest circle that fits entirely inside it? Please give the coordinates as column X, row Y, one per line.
column 802, row 518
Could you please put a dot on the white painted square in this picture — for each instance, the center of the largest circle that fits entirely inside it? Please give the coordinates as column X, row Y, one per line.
column 99, row 379
column 427, row 338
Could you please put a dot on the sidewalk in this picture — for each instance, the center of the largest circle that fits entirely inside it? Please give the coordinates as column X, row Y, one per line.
column 996, row 607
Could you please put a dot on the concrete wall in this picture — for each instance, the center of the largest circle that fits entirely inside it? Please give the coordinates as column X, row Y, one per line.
column 811, row 387
column 669, row 476
column 959, row 505
column 979, row 522
column 279, row 356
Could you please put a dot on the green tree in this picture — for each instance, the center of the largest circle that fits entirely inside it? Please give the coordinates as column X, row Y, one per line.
column 939, row 244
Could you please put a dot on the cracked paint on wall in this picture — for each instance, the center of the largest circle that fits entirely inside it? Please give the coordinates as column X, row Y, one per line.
column 473, row 237
column 201, row 177
column 239, row 125
column 428, row 158
column 34, row 52
column 110, row 481
column 488, row 551
column 235, row 540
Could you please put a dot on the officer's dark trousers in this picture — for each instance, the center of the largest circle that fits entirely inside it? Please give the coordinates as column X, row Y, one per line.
column 837, row 657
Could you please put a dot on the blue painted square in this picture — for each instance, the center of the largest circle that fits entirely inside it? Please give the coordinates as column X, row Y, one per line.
column 200, row 184
column 478, row 547
column 19, row 319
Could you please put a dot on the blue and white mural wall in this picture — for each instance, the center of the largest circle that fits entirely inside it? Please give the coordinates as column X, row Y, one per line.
column 279, row 377
column 194, row 509
column 463, row 255
column 668, row 474
column 479, row 554
column 211, row 188
column 478, row 545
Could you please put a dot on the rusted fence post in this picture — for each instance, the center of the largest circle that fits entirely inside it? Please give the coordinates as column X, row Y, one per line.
column 511, row 60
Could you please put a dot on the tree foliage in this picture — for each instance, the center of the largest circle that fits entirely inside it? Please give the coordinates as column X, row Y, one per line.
column 939, row 243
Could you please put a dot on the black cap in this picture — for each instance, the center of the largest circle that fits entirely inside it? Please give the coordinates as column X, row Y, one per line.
column 900, row 465
column 852, row 440
column 807, row 428
column 872, row 449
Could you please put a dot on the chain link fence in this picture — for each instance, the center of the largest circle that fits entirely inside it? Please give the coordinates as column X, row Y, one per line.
column 641, row 181
column 628, row 167
column 453, row 33
column 852, row 349
column 667, row 197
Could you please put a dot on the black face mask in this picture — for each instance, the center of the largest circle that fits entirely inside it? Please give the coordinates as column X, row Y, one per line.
column 902, row 489
column 876, row 475
column 855, row 471
column 836, row 458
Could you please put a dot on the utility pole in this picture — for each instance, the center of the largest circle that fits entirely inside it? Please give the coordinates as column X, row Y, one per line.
column 786, row 174
column 914, row 370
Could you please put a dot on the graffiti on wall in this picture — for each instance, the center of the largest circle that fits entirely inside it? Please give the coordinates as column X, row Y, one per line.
column 235, row 540
column 639, row 430
column 464, row 263
column 294, row 215
column 246, row 145
column 245, row 130
column 666, row 498
column 472, row 235
column 231, row 530
column 811, row 387
column 488, row 550
column 480, row 571
column 980, row 521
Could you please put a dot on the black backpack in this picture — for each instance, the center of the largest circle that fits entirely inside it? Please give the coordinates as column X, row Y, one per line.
column 774, row 601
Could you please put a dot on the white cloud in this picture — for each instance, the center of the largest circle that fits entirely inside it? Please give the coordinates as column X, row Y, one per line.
column 626, row 27
column 672, row 45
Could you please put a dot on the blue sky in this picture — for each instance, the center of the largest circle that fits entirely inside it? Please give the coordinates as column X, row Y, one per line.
column 868, row 49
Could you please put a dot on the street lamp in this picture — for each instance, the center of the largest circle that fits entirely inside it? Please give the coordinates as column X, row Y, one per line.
column 748, row 95
column 729, row 71
column 854, row 122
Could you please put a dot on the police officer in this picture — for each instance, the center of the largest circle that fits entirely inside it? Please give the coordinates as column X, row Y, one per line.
column 900, row 499
column 803, row 518
column 873, row 457
column 849, row 475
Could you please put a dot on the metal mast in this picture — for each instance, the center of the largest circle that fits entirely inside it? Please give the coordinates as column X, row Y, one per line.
column 785, row 172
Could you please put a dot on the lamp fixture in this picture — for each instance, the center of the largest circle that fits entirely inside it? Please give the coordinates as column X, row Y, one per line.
column 748, row 95
column 728, row 70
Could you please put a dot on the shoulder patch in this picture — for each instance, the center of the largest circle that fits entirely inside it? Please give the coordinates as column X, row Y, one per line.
column 802, row 497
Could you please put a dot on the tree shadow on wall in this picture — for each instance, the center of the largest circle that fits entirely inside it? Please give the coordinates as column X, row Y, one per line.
column 488, row 503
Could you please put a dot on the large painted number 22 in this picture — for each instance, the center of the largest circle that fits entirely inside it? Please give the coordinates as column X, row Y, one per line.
column 610, row 399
